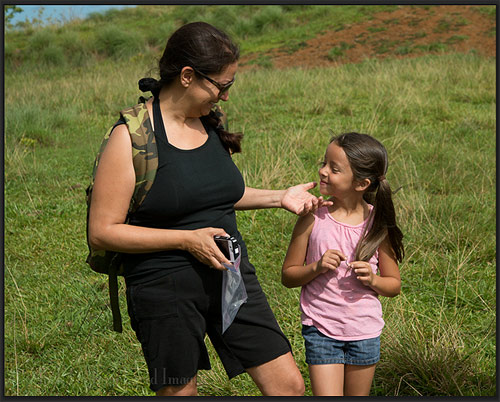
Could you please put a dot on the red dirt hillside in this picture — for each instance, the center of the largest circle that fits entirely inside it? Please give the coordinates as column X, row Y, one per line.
column 406, row 32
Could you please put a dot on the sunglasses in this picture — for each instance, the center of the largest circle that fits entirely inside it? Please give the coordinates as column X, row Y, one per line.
column 223, row 88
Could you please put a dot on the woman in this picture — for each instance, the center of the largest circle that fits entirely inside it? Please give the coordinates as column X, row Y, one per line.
column 173, row 296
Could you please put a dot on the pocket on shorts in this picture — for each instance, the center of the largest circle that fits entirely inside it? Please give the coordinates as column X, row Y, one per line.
column 155, row 299
column 247, row 269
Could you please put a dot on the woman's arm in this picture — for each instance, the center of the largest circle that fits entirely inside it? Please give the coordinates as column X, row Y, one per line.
column 296, row 199
column 388, row 283
column 294, row 273
column 254, row 198
column 113, row 188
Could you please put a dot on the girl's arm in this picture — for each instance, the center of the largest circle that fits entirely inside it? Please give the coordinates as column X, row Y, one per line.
column 295, row 199
column 293, row 272
column 388, row 283
column 111, row 195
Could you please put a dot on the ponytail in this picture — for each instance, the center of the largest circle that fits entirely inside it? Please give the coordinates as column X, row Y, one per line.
column 383, row 224
column 230, row 141
column 150, row 84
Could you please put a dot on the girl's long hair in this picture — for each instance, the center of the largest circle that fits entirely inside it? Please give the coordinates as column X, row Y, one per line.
column 368, row 160
column 207, row 49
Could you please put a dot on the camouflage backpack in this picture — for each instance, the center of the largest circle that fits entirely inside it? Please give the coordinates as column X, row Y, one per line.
column 145, row 160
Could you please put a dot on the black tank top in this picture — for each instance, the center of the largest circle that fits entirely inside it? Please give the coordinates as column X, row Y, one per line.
column 193, row 189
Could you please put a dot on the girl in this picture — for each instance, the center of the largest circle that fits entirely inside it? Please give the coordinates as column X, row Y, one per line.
column 343, row 246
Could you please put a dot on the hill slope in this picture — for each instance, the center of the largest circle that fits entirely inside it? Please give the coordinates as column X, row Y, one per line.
column 407, row 31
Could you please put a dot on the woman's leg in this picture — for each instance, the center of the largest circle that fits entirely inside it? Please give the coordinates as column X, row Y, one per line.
column 279, row 376
column 358, row 380
column 327, row 379
column 188, row 389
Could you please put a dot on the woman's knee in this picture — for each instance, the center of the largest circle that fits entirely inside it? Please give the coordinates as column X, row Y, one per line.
column 279, row 377
column 296, row 385
column 292, row 385
column 188, row 389
column 176, row 391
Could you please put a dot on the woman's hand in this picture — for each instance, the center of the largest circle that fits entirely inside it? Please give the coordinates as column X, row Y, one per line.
column 363, row 271
column 331, row 259
column 202, row 246
column 298, row 200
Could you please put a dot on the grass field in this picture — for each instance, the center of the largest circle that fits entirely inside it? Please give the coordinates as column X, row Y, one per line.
column 435, row 114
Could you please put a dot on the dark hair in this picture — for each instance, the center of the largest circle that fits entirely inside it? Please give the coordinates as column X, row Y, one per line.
column 368, row 160
column 206, row 49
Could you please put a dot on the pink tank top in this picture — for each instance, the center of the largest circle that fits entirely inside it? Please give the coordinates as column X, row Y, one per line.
column 335, row 302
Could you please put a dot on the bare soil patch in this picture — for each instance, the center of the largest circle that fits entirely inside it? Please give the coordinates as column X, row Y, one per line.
column 406, row 32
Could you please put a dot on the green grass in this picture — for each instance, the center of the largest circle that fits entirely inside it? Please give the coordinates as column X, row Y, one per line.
column 456, row 38
column 435, row 114
column 339, row 51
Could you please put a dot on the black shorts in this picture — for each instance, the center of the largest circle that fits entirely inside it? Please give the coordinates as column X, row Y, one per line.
column 172, row 314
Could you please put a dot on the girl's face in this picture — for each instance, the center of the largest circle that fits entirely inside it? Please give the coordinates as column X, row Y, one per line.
column 208, row 93
column 336, row 177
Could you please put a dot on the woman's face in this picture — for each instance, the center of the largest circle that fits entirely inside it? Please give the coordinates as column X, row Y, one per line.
column 208, row 94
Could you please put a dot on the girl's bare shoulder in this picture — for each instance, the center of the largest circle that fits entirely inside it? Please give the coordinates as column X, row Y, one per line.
column 304, row 224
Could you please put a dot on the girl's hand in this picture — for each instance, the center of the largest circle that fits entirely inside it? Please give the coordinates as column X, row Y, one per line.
column 298, row 200
column 363, row 271
column 330, row 260
column 202, row 246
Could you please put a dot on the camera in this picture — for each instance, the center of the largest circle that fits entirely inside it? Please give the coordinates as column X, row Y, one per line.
column 229, row 247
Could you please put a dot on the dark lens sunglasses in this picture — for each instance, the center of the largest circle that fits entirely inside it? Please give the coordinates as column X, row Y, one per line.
column 223, row 88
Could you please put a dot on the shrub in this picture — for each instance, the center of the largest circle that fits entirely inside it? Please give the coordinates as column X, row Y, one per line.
column 40, row 40
column 116, row 42
column 159, row 35
column 267, row 17
column 75, row 49
column 53, row 55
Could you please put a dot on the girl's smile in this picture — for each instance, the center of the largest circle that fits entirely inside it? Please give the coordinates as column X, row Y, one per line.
column 335, row 173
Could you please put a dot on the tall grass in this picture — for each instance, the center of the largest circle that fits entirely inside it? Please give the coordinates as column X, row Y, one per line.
column 435, row 115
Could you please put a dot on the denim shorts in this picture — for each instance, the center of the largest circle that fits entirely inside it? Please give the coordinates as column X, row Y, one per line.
column 321, row 349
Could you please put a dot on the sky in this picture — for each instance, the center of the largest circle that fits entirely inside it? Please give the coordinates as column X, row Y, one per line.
column 65, row 12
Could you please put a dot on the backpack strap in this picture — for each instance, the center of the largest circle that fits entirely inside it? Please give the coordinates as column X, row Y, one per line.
column 144, row 151
column 113, row 298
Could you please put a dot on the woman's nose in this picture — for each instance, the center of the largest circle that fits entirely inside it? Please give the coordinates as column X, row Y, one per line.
column 225, row 96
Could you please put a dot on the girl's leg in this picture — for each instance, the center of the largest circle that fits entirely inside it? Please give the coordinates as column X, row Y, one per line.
column 188, row 389
column 358, row 380
column 327, row 379
column 279, row 376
